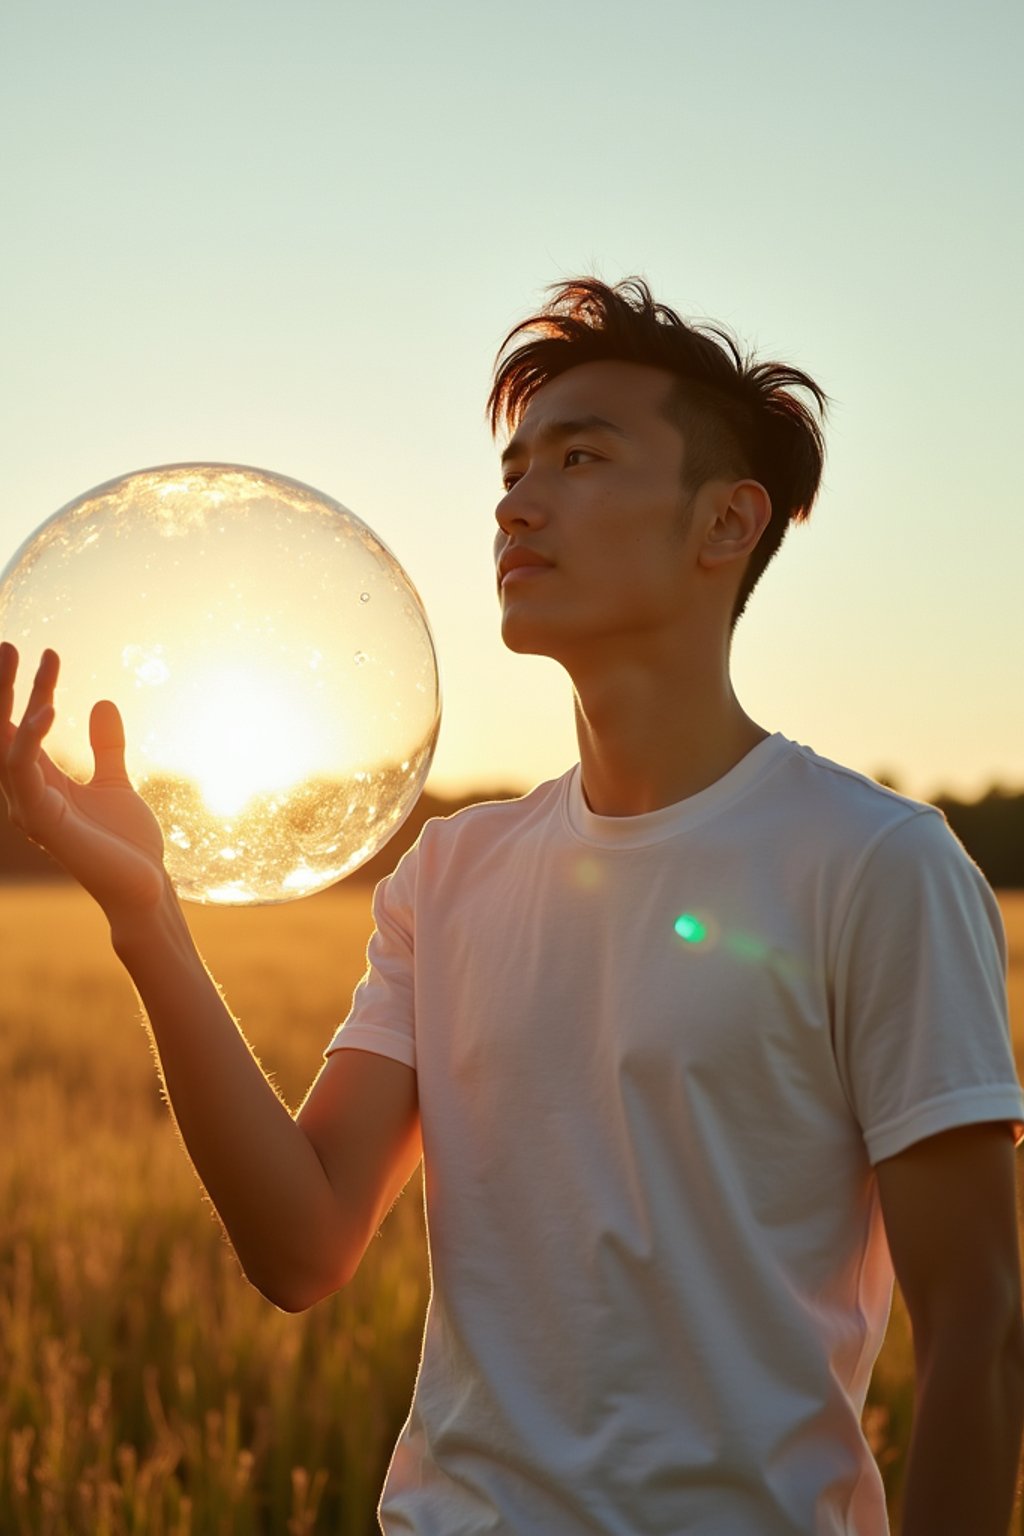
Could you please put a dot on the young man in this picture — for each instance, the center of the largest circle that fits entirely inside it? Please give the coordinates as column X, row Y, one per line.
column 690, row 1040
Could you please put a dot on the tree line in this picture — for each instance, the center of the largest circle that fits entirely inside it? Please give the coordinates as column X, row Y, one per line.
column 990, row 828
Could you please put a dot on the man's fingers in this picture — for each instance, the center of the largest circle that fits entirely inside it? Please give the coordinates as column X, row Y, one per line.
column 8, row 672
column 44, row 683
column 106, row 733
column 38, row 716
column 27, row 740
column 27, row 776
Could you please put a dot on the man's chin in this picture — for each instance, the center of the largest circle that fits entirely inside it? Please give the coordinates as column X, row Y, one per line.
column 522, row 645
column 526, row 639
column 532, row 642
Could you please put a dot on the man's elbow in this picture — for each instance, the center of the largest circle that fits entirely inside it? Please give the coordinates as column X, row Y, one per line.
column 288, row 1299
column 297, row 1288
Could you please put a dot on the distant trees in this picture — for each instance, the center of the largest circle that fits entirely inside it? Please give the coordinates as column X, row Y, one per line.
column 22, row 860
column 991, row 829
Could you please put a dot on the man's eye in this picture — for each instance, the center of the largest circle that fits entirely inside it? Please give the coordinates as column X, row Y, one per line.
column 508, row 481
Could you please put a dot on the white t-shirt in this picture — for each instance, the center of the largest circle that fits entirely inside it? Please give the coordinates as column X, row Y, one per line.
column 657, row 1057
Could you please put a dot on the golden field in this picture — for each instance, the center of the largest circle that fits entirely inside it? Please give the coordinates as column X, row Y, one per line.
column 144, row 1386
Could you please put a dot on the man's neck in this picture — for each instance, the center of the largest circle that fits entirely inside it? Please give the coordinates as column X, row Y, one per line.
column 647, row 740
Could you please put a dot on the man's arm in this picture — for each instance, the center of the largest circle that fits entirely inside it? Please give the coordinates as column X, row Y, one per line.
column 299, row 1215
column 949, row 1205
column 300, row 1198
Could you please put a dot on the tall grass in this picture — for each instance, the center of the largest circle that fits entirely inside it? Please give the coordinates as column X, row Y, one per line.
column 144, row 1386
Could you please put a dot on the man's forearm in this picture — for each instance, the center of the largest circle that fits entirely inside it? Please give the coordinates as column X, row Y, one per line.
column 965, row 1450
column 258, row 1167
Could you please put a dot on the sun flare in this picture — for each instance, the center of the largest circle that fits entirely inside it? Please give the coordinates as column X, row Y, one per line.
column 247, row 734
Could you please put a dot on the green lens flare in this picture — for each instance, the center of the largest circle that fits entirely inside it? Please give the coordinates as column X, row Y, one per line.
column 690, row 928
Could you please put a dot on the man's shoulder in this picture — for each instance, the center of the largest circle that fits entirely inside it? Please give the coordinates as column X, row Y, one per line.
column 486, row 826
column 505, row 810
column 845, row 800
column 819, row 820
column 876, row 839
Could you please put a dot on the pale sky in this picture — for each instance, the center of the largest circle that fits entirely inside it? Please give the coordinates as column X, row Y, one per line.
column 293, row 236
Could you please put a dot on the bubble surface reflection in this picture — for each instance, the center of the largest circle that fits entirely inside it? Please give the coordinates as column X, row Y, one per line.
column 271, row 658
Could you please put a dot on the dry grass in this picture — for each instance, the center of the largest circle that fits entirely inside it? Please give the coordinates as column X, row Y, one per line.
column 1012, row 904
column 146, row 1387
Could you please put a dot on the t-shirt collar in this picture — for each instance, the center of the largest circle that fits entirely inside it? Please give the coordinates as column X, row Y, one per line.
column 669, row 820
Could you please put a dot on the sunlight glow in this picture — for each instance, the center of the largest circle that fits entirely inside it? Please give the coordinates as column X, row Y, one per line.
column 245, row 734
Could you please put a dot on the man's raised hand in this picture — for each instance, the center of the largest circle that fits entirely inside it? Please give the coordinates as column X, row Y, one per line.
column 102, row 832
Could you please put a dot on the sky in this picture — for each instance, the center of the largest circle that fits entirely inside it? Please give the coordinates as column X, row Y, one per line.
column 295, row 236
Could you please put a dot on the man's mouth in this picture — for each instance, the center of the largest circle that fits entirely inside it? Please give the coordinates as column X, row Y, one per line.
column 520, row 564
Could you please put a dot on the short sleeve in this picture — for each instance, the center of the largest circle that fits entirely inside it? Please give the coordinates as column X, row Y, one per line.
column 382, row 1017
column 921, row 1024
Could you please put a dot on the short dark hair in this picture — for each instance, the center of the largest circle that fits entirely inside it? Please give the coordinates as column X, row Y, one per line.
column 737, row 416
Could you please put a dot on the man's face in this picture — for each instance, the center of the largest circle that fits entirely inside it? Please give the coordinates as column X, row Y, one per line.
column 594, row 501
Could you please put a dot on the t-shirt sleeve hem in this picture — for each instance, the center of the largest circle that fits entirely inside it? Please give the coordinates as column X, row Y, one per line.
column 967, row 1106
column 381, row 1042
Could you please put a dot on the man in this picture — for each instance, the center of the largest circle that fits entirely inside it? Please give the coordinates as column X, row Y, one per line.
column 689, row 1040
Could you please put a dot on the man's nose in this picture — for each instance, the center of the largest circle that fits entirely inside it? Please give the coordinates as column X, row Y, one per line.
column 519, row 508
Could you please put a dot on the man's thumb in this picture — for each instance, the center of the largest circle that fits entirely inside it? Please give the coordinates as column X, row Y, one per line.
column 106, row 733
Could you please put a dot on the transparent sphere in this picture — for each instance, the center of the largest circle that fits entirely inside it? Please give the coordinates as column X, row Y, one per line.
column 271, row 659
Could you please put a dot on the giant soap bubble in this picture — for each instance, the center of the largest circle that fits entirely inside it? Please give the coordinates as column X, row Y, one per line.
column 271, row 659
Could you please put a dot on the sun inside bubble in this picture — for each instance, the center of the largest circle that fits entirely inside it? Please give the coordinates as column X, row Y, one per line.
column 244, row 736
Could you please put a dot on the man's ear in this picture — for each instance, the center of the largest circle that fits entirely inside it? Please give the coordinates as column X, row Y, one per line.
column 742, row 511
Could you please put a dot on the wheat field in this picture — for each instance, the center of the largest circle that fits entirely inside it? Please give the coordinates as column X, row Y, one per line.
column 144, row 1386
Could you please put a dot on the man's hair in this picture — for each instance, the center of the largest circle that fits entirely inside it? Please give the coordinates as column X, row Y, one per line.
column 738, row 417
